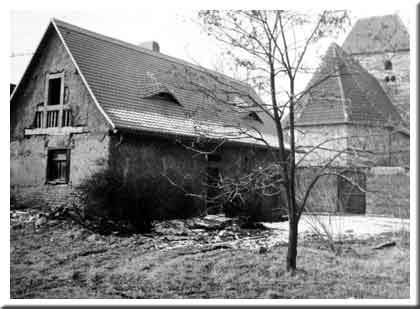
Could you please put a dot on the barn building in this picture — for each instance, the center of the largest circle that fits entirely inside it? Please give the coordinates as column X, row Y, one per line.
column 87, row 102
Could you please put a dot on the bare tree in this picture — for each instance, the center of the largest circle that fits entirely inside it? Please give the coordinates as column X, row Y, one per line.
column 273, row 49
column 273, row 45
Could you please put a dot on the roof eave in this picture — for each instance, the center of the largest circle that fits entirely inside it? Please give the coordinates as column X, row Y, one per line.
column 192, row 137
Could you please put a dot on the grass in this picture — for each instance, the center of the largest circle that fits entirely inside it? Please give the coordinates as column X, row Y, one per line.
column 58, row 262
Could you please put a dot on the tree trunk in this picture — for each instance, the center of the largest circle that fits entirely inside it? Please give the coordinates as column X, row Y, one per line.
column 292, row 246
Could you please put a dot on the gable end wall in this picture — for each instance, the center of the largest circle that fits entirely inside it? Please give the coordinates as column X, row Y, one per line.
column 28, row 154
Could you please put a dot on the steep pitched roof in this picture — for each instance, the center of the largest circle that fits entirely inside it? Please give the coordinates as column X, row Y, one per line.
column 341, row 91
column 142, row 90
column 377, row 34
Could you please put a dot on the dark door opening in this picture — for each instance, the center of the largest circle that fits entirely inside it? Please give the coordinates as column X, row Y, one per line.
column 351, row 199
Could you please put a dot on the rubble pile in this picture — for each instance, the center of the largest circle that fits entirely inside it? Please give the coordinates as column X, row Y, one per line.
column 216, row 231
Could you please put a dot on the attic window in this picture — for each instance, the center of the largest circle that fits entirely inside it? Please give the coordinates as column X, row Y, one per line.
column 54, row 90
column 388, row 65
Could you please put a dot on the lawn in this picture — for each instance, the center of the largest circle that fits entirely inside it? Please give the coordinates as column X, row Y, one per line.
column 61, row 260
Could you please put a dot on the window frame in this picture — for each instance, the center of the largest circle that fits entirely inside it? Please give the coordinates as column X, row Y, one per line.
column 66, row 180
column 47, row 85
column 56, row 107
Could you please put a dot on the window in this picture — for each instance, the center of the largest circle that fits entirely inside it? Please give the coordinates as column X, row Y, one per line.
column 54, row 112
column 58, row 166
column 388, row 65
column 54, row 90
column 392, row 78
column 254, row 116
column 164, row 96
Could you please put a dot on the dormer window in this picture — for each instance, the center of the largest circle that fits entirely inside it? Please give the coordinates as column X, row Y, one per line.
column 388, row 65
column 254, row 116
column 165, row 96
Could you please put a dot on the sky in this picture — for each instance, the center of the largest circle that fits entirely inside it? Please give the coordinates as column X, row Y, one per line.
column 176, row 31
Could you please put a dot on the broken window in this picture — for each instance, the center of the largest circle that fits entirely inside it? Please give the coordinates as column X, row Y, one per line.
column 55, row 113
column 58, row 166
column 54, row 91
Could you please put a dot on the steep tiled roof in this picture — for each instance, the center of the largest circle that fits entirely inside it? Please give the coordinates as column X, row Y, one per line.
column 126, row 79
column 377, row 34
column 341, row 91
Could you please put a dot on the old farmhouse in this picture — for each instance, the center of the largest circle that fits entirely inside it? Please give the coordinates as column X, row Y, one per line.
column 88, row 102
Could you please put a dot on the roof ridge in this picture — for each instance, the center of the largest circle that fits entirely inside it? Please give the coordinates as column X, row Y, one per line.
column 143, row 50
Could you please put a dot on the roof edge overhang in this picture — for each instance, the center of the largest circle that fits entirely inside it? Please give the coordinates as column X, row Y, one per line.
column 378, row 52
column 187, row 137
column 364, row 123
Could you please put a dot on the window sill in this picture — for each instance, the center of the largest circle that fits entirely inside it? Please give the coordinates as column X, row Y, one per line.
column 55, row 131
column 56, row 183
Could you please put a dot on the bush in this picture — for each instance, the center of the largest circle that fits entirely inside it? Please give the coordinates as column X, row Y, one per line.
column 246, row 204
column 139, row 201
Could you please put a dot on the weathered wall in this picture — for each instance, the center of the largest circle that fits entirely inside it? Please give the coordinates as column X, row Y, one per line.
column 333, row 138
column 323, row 197
column 28, row 154
column 398, row 90
column 238, row 161
column 379, row 146
column 147, row 159
column 375, row 145
column 388, row 195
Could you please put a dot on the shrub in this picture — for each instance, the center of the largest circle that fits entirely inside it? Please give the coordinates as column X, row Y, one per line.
column 138, row 200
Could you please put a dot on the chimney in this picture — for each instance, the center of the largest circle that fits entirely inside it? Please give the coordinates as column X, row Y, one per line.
column 150, row 45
